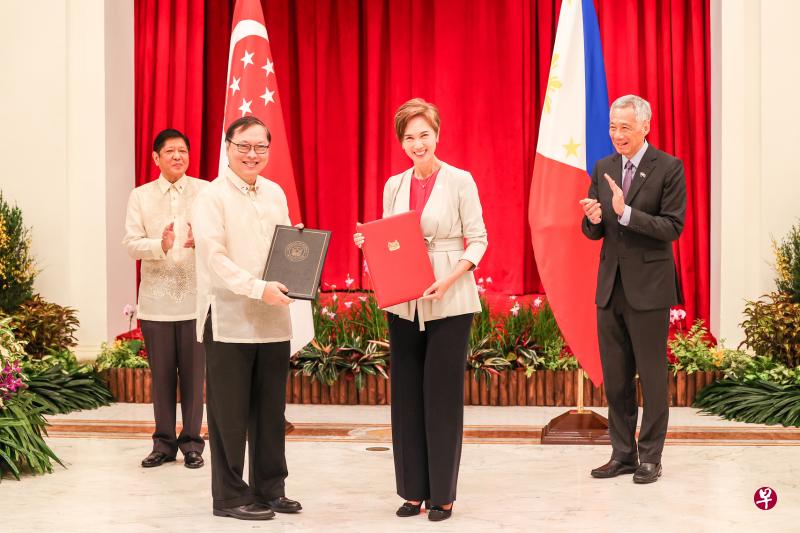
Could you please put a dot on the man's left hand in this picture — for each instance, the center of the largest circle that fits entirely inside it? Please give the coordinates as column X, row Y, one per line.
column 617, row 197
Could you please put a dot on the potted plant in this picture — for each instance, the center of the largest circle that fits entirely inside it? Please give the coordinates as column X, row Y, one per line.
column 126, row 371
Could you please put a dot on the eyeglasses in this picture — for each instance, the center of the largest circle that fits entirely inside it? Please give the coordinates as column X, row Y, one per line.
column 244, row 148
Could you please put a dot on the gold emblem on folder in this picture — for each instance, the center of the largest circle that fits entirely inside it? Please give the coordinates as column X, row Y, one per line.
column 393, row 245
column 296, row 251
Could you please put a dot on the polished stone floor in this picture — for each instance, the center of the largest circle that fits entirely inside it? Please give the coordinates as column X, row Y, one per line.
column 504, row 486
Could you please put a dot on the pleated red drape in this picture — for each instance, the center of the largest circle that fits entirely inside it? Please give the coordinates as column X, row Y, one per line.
column 344, row 66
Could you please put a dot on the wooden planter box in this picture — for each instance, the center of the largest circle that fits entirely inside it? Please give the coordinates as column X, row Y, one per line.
column 542, row 388
column 134, row 385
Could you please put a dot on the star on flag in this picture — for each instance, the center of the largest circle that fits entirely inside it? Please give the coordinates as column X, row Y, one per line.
column 245, row 107
column 267, row 96
column 248, row 58
column 235, row 85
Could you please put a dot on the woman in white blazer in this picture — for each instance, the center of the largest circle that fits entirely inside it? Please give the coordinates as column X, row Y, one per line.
column 429, row 336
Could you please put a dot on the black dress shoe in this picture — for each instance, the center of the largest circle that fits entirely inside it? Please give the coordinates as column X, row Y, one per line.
column 283, row 504
column 614, row 468
column 408, row 509
column 156, row 459
column 251, row 511
column 647, row 473
column 437, row 513
column 193, row 460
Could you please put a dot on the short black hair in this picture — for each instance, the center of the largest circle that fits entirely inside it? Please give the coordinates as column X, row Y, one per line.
column 243, row 124
column 167, row 134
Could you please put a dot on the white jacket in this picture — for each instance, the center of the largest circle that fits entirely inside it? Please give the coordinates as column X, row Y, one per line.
column 452, row 215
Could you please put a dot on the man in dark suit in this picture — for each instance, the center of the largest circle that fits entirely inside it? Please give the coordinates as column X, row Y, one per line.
column 636, row 205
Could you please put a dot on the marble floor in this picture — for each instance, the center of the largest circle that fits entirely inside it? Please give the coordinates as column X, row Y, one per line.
column 503, row 485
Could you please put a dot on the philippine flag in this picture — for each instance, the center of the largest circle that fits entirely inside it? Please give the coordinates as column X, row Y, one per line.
column 573, row 135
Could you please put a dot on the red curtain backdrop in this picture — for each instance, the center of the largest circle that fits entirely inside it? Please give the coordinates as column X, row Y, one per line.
column 344, row 66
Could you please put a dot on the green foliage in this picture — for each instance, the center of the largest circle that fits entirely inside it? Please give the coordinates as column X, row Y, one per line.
column 121, row 354
column 742, row 367
column 351, row 337
column 12, row 380
column 544, row 330
column 693, row 351
column 348, row 337
column 17, row 268
column 45, row 326
column 486, row 355
column 527, row 337
column 320, row 361
column 60, row 385
column 555, row 356
column 787, row 264
column 11, row 348
column 366, row 357
column 757, row 402
column 772, row 328
column 22, row 446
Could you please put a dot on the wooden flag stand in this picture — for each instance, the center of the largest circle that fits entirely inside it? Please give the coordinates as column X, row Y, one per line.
column 577, row 426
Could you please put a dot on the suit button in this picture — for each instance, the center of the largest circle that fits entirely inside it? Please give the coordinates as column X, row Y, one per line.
column 620, row 233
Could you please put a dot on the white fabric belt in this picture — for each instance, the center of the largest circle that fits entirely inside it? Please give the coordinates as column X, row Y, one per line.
column 455, row 244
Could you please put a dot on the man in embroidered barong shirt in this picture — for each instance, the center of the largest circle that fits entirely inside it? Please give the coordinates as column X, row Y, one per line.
column 158, row 232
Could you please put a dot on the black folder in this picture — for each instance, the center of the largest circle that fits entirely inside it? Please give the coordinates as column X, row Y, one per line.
column 296, row 258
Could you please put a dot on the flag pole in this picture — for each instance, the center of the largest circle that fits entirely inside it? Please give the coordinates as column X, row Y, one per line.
column 581, row 377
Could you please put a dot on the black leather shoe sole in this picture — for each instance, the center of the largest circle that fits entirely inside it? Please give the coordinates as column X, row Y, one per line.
column 243, row 516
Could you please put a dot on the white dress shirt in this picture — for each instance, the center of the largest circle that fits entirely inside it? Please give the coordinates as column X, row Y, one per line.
column 167, row 288
column 233, row 226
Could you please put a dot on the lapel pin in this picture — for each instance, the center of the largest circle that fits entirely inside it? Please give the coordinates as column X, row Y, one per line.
column 642, row 174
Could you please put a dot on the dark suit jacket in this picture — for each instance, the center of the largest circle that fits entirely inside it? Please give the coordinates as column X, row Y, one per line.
column 642, row 250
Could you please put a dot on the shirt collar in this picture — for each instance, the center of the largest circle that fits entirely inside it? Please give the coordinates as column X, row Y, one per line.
column 637, row 158
column 164, row 184
column 238, row 182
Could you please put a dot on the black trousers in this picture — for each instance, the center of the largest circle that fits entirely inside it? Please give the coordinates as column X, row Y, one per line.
column 174, row 352
column 428, row 405
column 246, row 400
column 634, row 341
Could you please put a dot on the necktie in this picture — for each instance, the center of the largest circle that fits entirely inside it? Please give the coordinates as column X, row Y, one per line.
column 627, row 178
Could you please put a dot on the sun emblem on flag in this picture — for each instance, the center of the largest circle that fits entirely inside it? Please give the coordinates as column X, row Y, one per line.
column 553, row 84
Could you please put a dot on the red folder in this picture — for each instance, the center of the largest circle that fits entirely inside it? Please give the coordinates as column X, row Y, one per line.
column 397, row 258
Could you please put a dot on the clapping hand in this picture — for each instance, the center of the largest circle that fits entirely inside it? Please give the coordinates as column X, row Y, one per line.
column 168, row 237
column 592, row 210
column 617, row 196
column 189, row 238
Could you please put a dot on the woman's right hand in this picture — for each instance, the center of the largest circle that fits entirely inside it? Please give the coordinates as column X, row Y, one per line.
column 358, row 239
column 274, row 294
